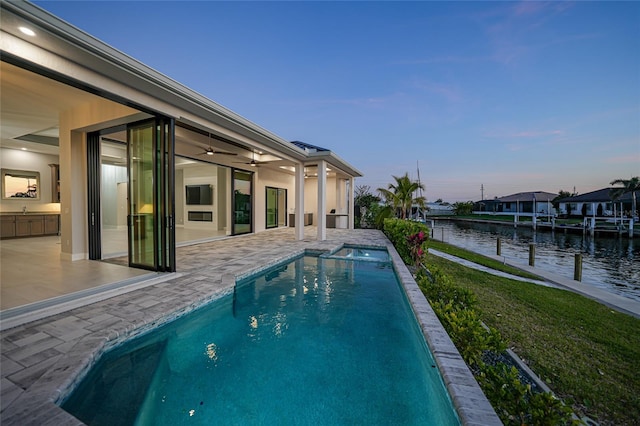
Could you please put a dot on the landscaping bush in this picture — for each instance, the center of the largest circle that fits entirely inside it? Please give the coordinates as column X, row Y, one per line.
column 454, row 306
column 399, row 230
column 515, row 402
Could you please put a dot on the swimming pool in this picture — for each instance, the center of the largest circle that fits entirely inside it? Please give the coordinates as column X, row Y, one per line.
column 314, row 341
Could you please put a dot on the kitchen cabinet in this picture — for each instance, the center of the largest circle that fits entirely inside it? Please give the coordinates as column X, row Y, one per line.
column 29, row 225
column 7, row 226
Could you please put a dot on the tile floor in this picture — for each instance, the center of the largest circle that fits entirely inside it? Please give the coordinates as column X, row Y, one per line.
column 24, row 261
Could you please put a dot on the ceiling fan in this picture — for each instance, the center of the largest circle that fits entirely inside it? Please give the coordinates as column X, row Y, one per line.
column 253, row 162
column 211, row 151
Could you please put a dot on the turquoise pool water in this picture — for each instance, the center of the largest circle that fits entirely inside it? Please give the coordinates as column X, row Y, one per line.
column 360, row 253
column 319, row 341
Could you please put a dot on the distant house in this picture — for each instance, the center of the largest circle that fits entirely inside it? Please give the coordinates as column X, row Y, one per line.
column 522, row 202
column 595, row 203
column 438, row 209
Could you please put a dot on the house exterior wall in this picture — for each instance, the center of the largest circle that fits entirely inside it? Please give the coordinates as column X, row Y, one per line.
column 86, row 62
column 264, row 178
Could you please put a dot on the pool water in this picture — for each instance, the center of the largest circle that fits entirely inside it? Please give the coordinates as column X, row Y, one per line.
column 376, row 255
column 316, row 341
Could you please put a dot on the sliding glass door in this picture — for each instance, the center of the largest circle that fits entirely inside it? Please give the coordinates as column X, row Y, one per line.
column 276, row 207
column 282, row 207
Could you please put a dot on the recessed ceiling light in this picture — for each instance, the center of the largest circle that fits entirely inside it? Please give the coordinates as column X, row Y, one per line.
column 24, row 149
column 27, row 31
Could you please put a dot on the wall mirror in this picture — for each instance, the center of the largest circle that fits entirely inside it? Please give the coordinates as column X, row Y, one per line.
column 20, row 185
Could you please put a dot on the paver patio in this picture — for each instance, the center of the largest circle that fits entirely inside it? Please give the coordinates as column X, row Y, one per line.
column 41, row 360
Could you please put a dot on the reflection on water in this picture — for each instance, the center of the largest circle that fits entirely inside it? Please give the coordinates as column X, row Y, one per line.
column 612, row 264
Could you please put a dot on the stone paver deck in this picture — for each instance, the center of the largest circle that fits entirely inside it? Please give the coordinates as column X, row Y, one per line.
column 42, row 360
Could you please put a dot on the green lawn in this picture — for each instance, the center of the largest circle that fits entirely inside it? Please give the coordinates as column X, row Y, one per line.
column 479, row 259
column 587, row 353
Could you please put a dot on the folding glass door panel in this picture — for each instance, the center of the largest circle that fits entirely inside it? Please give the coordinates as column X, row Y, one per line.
column 242, row 202
column 151, row 195
column 142, row 200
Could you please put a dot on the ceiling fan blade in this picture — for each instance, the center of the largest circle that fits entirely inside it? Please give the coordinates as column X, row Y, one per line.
column 210, row 151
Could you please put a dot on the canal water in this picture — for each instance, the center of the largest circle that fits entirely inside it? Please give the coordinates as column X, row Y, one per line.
column 609, row 263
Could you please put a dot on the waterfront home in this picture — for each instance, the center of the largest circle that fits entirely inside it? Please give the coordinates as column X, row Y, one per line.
column 119, row 159
column 596, row 203
column 539, row 202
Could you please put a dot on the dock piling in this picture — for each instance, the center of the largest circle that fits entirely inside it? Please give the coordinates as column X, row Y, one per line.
column 577, row 270
column 532, row 255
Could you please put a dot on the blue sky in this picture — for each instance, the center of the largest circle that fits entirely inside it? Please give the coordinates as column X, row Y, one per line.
column 514, row 96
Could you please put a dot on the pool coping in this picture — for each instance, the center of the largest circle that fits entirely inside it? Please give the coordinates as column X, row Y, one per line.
column 38, row 403
column 470, row 402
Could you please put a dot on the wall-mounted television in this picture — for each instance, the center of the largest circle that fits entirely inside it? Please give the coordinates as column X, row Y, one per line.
column 199, row 195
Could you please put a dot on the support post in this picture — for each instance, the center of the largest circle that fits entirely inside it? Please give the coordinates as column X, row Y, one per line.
column 532, row 255
column 577, row 270
column 322, row 200
column 299, row 203
column 442, row 239
column 352, row 211
column 534, row 220
column 631, row 228
column 499, row 247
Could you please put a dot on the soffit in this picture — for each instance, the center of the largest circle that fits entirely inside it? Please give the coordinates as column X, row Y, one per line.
column 31, row 104
column 69, row 42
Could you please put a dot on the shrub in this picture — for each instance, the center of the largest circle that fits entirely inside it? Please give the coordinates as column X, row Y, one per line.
column 516, row 403
column 397, row 230
column 440, row 287
column 417, row 247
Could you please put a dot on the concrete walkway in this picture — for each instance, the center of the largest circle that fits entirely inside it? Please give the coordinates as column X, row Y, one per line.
column 614, row 301
column 44, row 358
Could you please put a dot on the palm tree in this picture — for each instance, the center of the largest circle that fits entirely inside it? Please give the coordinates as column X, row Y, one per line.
column 399, row 195
column 628, row 185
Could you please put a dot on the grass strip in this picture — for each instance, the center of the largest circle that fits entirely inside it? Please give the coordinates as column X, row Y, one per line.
column 480, row 259
column 588, row 354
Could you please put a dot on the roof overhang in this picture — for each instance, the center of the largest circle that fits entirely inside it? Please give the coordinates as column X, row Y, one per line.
column 333, row 159
column 66, row 41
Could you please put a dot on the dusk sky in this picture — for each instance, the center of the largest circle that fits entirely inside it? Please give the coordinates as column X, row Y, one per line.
column 514, row 96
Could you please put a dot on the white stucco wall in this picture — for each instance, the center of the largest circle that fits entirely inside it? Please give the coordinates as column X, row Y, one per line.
column 265, row 177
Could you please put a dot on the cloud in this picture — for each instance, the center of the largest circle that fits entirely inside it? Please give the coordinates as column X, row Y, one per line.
column 633, row 158
column 510, row 29
column 448, row 92
column 360, row 102
column 524, row 134
column 449, row 59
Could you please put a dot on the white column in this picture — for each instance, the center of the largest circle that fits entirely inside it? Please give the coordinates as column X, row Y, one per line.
column 352, row 214
column 340, row 193
column 322, row 200
column 299, row 203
